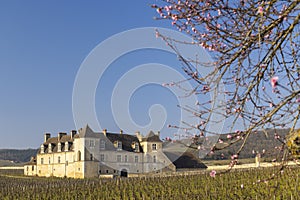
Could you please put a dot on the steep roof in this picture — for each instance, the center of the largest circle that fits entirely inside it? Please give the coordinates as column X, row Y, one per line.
column 151, row 137
column 126, row 139
column 63, row 139
column 54, row 143
column 185, row 160
column 87, row 132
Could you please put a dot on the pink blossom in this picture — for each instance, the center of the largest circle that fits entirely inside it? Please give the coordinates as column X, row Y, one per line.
column 235, row 156
column 157, row 34
column 167, row 8
column 274, row 81
column 213, row 173
column 229, row 136
column 174, row 17
column 260, row 10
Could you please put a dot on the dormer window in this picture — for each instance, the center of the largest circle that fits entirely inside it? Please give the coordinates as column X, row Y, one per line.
column 154, row 147
column 118, row 145
column 59, row 147
column 66, row 146
column 42, row 149
column 50, row 148
column 136, row 147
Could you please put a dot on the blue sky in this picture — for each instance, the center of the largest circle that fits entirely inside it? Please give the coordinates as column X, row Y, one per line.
column 42, row 45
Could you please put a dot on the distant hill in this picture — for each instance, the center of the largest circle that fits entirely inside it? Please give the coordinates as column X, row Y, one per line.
column 257, row 141
column 17, row 156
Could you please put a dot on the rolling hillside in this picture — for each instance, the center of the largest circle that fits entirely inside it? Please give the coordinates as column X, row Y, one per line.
column 16, row 155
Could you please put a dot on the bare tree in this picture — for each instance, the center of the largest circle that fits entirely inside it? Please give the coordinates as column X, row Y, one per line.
column 255, row 48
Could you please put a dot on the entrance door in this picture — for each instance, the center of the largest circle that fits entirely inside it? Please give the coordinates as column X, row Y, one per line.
column 124, row 173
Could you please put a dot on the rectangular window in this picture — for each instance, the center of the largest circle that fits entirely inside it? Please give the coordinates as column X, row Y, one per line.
column 119, row 145
column 58, row 159
column 154, row 159
column 102, row 145
column 49, row 160
column 119, row 158
column 91, row 157
column 136, row 147
column 153, row 146
column 102, row 157
column 42, row 161
column 136, row 159
column 125, row 158
column 92, row 143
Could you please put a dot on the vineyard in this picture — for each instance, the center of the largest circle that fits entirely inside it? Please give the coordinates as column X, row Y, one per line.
column 246, row 184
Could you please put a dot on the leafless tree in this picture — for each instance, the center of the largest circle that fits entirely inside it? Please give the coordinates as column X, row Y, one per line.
column 255, row 50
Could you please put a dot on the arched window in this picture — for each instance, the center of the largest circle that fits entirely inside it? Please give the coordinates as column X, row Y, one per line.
column 154, row 159
column 79, row 156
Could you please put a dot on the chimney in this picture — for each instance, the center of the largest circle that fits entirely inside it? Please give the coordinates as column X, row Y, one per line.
column 46, row 136
column 60, row 135
column 139, row 136
column 73, row 133
column 121, row 132
column 104, row 131
column 158, row 133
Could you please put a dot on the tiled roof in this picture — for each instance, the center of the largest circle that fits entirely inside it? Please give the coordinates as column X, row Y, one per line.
column 86, row 132
column 126, row 139
column 185, row 160
column 63, row 139
column 54, row 143
column 151, row 137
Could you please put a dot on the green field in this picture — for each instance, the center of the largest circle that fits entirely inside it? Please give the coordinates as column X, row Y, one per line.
column 246, row 184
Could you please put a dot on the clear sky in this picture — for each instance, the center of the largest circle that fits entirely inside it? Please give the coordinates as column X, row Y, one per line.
column 42, row 45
